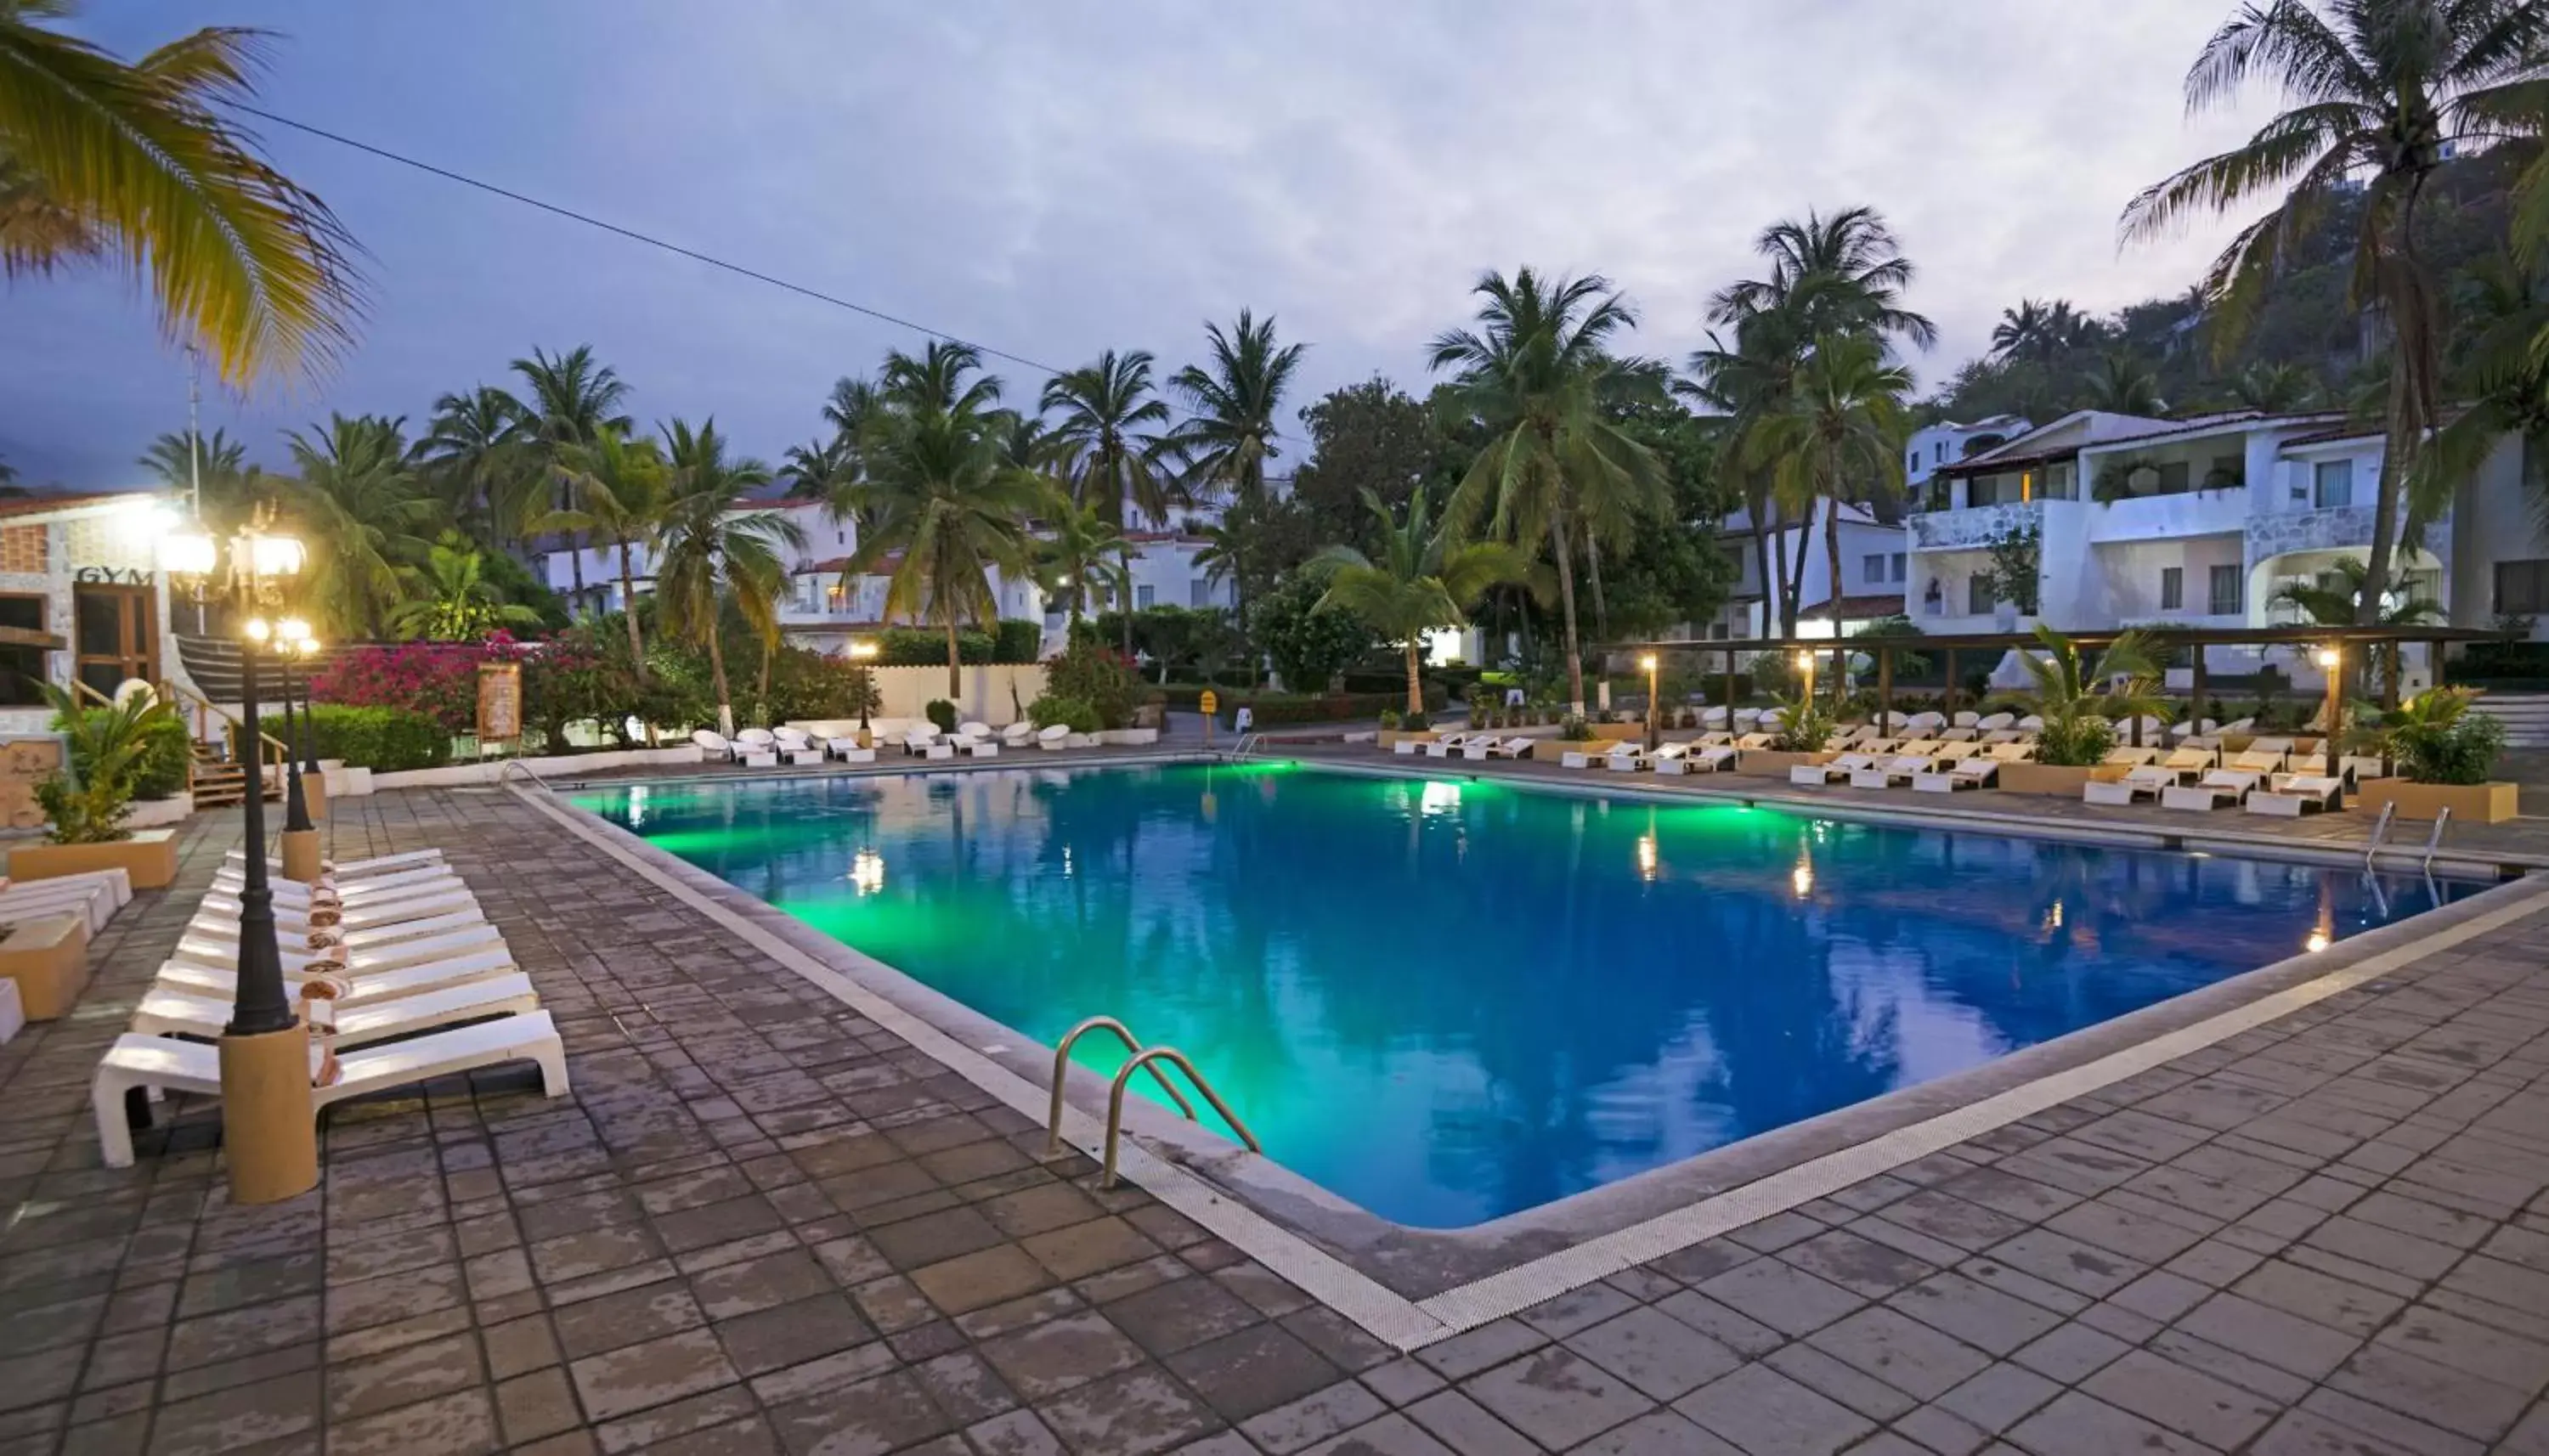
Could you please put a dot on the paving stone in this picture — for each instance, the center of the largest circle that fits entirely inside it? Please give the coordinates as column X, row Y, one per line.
column 886, row 1414
column 1657, row 1433
column 1745, row 1337
column 1821, row 1373
column 2075, row 1425
column 2071, row 1353
column 1657, row 1355
column 1900, row 1351
column 1253, row 1371
column 1082, row 1249
column 1129, row 1415
column 790, row 1334
column 1856, row 1263
column 2186, row 1401
column 1181, row 1315
column 986, row 1277
column 625, row 1318
column 1315, row 1418
column 1016, row 1433
column 1998, row 1397
column 2261, row 1332
column 458, row 1424
column 1052, row 1357
column 1556, row 1396
column 1974, row 1314
column 2429, row 1390
column 1390, row 1435
column 965, row 1386
column 1781, row 1295
column 1765, row 1414
column 1468, row 1426
column 637, row 1376
column 238, row 1415
column 540, row 1404
column 1576, row 1309
column 432, row 1368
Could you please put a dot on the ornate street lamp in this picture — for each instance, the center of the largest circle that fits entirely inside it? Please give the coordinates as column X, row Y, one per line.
column 289, row 635
column 2331, row 661
column 1654, row 701
column 309, row 787
column 863, row 649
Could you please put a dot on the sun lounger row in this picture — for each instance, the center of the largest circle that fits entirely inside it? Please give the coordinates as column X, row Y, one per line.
column 395, row 967
column 2288, row 795
column 94, row 895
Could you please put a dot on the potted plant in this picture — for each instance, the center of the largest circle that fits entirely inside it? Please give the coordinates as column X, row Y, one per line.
column 1574, row 736
column 2072, row 748
column 2444, row 752
column 87, row 802
column 1804, row 736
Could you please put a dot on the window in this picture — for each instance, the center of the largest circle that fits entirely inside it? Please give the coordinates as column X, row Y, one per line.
column 22, row 669
column 1871, row 569
column 2172, row 479
column 2172, row 589
column 2227, row 473
column 2521, row 586
column 1938, row 451
column 2225, row 589
column 1983, row 490
column 2059, row 484
column 1911, row 461
column 1978, row 596
column 1899, row 564
column 2332, row 484
column 1199, row 592
column 1142, row 597
column 1719, row 632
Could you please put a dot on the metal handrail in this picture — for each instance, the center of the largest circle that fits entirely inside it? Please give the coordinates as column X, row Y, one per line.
column 2379, row 831
column 2434, row 841
column 1115, row 1104
column 1248, row 744
column 1062, row 1065
column 528, row 773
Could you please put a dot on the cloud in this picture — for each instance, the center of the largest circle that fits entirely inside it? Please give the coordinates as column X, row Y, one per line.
column 1053, row 180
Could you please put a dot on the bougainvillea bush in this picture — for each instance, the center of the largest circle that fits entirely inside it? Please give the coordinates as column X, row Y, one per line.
column 436, row 679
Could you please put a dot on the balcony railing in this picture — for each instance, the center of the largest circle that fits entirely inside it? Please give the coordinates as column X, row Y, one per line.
column 1973, row 525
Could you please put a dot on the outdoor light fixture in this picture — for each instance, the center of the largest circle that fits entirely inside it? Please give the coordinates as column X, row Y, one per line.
column 863, row 648
column 2331, row 659
column 2317, row 943
column 1651, row 663
column 1803, row 880
column 188, row 552
column 867, row 871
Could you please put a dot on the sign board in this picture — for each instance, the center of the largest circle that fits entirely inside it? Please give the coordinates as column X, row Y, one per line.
column 1210, row 702
column 499, row 702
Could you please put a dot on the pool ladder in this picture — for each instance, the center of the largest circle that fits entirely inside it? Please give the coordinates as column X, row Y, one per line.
column 2433, row 841
column 1248, row 745
column 1143, row 1057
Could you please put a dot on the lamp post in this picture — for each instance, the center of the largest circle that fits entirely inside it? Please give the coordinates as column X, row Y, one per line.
column 1805, row 668
column 2331, row 661
column 1655, row 699
column 314, row 783
column 863, row 649
column 269, row 1139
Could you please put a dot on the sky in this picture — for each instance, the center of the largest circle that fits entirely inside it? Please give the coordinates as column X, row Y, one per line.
column 1056, row 179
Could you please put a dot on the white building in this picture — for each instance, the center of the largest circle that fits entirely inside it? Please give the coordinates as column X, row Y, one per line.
column 1936, row 445
column 82, row 596
column 1874, row 564
column 822, row 611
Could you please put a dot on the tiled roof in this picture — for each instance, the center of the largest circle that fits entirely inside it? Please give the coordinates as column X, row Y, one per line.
column 39, row 505
column 1858, row 608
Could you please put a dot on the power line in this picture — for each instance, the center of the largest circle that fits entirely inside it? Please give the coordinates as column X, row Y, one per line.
column 634, row 236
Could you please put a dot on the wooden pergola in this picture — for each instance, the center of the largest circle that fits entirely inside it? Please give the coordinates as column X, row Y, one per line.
column 2354, row 641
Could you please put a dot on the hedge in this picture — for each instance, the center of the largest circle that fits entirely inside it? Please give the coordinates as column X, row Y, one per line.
column 383, row 740
column 926, row 647
column 1300, row 707
column 2500, row 662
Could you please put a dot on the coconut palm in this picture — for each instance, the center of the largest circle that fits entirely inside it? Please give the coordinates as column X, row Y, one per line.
column 232, row 488
column 1231, row 434
column 1080, row 553
column 1530, row 372
column 2331, row 603
column 458, row 603
column 1843, row 274
column 2503, row 380
column 2123, row 387
column 2274, row 388
column 950, row 509
column 2381, row 92
column 1425, row 578
column 944, row 377
column 134, row 162
column 2077, row 699
column 478, row 450
column 572, row 397
column 2020, row 332
column 706, row 547
column 1097, row 440
column 1749, row 381
column 616, row 486
column 1837, row 439
column 824, row 469
column 363, row 516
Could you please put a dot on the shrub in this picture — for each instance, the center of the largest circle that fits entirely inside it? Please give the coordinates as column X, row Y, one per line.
column 89, row 801
column 1073, row 713
column 1097, row 676
column 2438, row 740
column 942, row 714
column 1310, row 647
column 436, row 679
column 1017, row 641
column 2078, row 742
column 166, row 752
column 1805, row 726
column 385, row 740
column 1389, row 720
column 926, row 647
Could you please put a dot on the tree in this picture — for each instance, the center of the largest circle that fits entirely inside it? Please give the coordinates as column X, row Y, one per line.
column 1530, row 372
column 2334, row 606
column 134, row 162
column 2016, row 574
column 2274, row 388
column 458, row 604
column 950, row 506
column 2020, row 331
column 573, row 398
column 1080, row 553
column 706, row 547
column 1369, row 438
column 1838, row 274
column 1423, row 578
column 1096, row 441
column 362, row 517
column 617, row 489
column 1748, row 380
column 2121, row 386
column 1839, row 438
column 2503, row 377
column 1308, row 644
column 1232, row 433
column 479, row 449
column 232, row 488
column 2077, row 701
column 2382, row 91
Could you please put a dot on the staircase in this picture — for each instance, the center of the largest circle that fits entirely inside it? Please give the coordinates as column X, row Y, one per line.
column 218, row 782
column 2526, row 716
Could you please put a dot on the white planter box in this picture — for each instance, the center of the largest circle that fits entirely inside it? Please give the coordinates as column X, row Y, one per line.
column 343, row 782
column 1129, row 737
column 154, row 813
column 570, row 764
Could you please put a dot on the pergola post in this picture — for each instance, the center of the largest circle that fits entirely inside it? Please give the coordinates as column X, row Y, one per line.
column 1950, row 708
column 1884, row 691
column 2194, row 710
column 1730, row 690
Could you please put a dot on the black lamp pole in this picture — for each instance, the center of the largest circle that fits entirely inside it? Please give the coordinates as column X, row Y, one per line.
column 295, row 802
column 260, row 1005
column 308, row 729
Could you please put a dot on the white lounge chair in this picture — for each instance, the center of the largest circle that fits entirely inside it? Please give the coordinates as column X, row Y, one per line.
column 924, row 743
column 115, row 881
column 1816, row 776
column 848, row 750
column 1700, row 759
column 1054, row 739
column 374, row 895
column 2142, row 783
column 2010, row 751
column 349, row 870
column 1628, row 758
column 2221, row 789
column 381, row 986
column 224, row 905
column 33, row 900
column 2254, row 760
column 757, row 747
column 202, row 948
column 1669, row 753
column 796, row 747
column 294, row 935
column 1577, row 759
column 191, row 1066
column 715, row 747
column 167, row 1011
column 1020, row 734
column 2186, row 764
column 2132, row 757
column 1893, row 771
column 2290, row 795
column 1449, row 743
column 1952, row 774
column 1756, row 740
column 1996, row 722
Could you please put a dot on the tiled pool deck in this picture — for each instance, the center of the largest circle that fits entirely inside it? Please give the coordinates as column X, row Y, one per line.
column 764, row 1224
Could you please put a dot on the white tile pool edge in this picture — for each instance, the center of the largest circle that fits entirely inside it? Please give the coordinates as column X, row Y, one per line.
column 1410, row 1324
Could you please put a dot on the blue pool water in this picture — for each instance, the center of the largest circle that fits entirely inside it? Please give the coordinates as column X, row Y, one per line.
column 1448, row 1001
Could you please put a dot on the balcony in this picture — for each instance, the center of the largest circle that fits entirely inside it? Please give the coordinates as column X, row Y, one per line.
column 2163, row 517
column 1973, row 525
column 2337, row 528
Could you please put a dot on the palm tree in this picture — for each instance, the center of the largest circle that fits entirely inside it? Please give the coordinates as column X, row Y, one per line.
column 134, row 162
column 1843, row 274
column 459, row 604
column 1748, row 381
column 2383, row 91
column 362, row 515
column 1838, row 440
column 2075, row 707
column 1232, row 432
column 2123, row 387
column 2333, row 605
column 1424, row 579
column 232, row 488
column 2274, row 388
column 572, row 399
column 823, row 469
column 479, row 448
column 618, row 487
column 1082, row 550
column 1530, row 372
column 1096, row 444
column 2020, row 332
column 2505, row 382
column 945, row 377
column 706, row 546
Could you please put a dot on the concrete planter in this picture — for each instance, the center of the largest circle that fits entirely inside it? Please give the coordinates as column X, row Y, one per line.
column 1130, row 737
column 1620, row 732
column 1390, row 738
column 487, row 771
column 345, row 782
column 2491, row 803
column 149, row 857
column 47, row 959
column 2054, row 780
column 153, row 813
column 1774, row 763
column 1551, row 749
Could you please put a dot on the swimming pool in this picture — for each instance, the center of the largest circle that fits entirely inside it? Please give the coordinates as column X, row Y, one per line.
column 1450, row 1000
